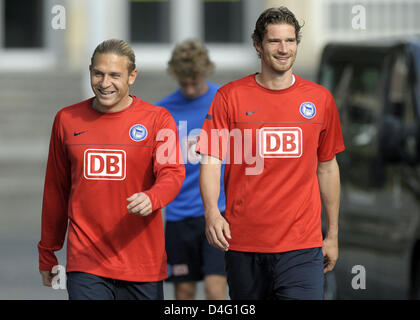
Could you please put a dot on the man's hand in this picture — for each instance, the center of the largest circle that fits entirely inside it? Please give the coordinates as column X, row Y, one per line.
column 330, row 251
column 139, row 203
column 47, row 277
column 217, row 230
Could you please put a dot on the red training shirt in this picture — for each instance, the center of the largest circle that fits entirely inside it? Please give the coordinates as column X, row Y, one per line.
column 96, row 161
column 272, row 141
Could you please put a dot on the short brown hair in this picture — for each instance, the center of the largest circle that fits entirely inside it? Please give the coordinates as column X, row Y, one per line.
column 275, row 16
column 190, row 59
column 118, row 47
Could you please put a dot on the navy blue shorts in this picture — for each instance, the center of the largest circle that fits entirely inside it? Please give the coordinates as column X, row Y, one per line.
column 86, row 286
column 190, row 257
column 288, row 275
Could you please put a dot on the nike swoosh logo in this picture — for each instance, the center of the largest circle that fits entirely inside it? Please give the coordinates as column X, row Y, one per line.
column 248, row 113
column 78, row 133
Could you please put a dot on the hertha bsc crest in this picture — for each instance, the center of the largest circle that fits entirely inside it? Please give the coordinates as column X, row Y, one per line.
column 138, row 132
column 308, row 110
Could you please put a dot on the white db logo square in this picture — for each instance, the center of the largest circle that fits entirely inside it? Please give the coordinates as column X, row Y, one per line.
column 280, row 142
column 103, row 164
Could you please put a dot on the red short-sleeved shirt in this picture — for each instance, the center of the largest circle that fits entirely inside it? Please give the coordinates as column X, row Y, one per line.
column 272, row 141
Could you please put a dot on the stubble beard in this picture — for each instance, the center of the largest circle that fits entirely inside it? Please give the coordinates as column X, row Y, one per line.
column 282, row 68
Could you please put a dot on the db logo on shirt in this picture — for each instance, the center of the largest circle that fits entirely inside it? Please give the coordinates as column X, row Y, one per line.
column 280, row 142
column 103, row 164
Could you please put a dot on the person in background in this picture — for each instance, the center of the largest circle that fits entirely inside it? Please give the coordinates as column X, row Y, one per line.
column 190, row 257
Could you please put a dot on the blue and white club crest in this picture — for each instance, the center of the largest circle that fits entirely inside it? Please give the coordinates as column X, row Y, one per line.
column 308, row 110
column 138, row 132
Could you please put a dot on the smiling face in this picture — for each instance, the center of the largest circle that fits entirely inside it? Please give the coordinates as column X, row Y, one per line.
column 278, row 48
column 110, row 81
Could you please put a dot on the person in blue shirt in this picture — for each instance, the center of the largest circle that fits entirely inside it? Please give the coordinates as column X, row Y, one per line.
column 190, row 257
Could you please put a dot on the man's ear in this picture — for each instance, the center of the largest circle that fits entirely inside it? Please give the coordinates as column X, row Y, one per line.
column 132, row 77
column 258, row 47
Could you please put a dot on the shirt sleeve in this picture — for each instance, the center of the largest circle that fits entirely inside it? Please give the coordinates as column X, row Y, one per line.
column 55, row 200
column 331, row 137
column 168, row 164
column 214, row 136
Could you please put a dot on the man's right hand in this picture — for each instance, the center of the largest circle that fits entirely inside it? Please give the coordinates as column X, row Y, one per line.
column 217, row 230
column 47, row 277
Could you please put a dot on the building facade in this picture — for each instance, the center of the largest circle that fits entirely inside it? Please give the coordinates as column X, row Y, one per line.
column 42, row 34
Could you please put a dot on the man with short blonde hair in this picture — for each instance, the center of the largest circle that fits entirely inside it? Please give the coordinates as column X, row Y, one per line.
column 106, row 184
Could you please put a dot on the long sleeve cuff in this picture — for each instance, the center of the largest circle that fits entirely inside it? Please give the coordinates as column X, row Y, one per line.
column 47, row 258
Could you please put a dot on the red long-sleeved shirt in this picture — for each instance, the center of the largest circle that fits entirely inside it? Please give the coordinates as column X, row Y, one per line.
column 95, row 162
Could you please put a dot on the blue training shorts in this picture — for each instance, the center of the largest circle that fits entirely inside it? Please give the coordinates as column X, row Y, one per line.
column 288, row 275
column 190, row 257
column 86, row 286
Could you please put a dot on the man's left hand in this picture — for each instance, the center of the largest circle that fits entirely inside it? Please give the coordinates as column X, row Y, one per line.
column 139, row 203
column 330, row 251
